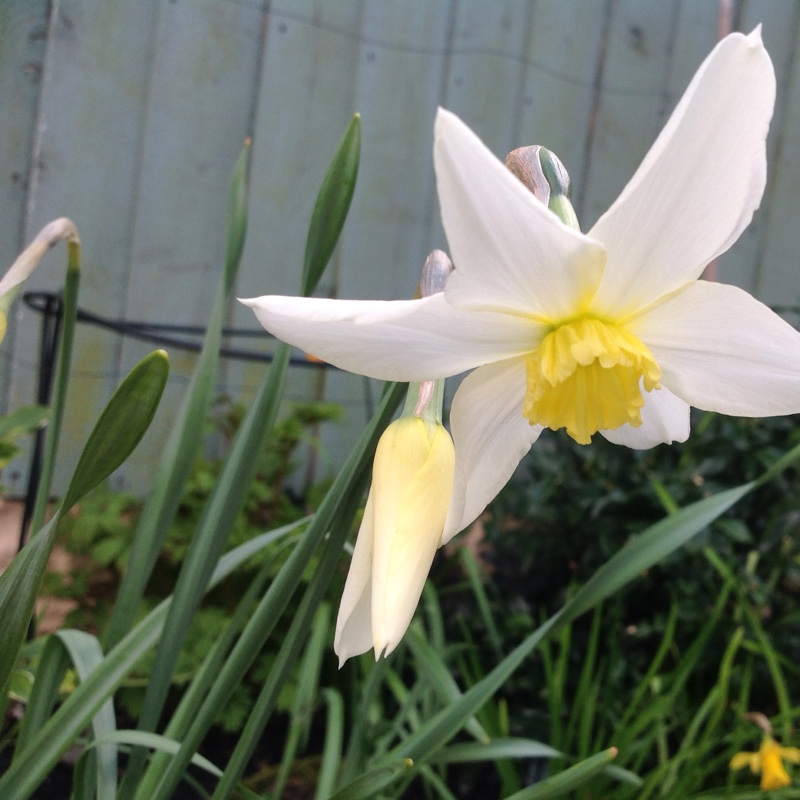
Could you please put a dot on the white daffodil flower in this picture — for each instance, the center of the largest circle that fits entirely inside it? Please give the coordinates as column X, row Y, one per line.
column 609, row 331
column 412, row 477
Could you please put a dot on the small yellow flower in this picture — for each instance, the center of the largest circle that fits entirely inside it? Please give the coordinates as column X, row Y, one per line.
column 769, row 762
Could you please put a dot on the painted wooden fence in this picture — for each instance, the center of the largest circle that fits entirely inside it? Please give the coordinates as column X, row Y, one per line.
column 128, row 117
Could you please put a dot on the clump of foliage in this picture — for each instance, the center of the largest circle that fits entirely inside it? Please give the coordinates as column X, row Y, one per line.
column 99, row 532
column 569, row 508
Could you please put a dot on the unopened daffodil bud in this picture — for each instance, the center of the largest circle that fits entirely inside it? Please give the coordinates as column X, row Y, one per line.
column 543, row 173
column 412, row 479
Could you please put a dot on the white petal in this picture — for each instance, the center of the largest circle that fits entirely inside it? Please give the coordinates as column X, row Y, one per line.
column 402, row 340
column 722, row 350
column 490, row 436
column 699, row 185
column 665, row 419
column 354, row 623
column 509, row 251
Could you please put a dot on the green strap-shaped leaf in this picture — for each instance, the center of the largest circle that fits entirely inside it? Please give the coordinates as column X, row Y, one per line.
column 332, row 749
column 333, row 203
column 495, row 750
column 19, row 585
column 562, row 784
column 333, row 516
column 370, row 783
column 65, row 649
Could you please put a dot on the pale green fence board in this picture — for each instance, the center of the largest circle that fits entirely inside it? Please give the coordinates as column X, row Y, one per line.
column 23, row 34
column 555, row 103
column 305, row 101
column 92, row 107
column 774, row 267
column 204, row 69
column 753, row 262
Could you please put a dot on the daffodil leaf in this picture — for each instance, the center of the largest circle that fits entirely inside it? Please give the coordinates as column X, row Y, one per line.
column 495, row 750
column 562, row 784
column 333, row 203
column 64, row 650
column 180, row 448
column 334, row 737
column 121, row 425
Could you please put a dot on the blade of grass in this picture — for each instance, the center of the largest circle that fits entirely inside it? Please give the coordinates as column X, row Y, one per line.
column 765, row 646
column 53, row 663
column 332, row 747
column 431, row 666
column 655, row 665
column 647, row 549
column 299, row 630
column 86, row 655
column 183, row 716
column 69, row 316
column 305, row 694
column 470, row 564
column 494, row 750
column 568, row 780
column 224, row 505
column 370, row 784
column 584, row 703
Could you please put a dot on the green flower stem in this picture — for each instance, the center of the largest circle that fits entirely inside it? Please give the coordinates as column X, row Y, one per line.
column 429, row 395
column 68, row 323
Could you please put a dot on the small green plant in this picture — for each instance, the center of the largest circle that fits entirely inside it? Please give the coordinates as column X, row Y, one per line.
column 98, row 533
column 18, row 424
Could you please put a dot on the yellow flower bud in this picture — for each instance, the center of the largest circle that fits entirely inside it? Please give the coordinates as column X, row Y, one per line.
column 412, row 480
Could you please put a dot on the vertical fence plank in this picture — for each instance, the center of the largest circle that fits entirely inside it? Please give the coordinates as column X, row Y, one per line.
column 92, row 107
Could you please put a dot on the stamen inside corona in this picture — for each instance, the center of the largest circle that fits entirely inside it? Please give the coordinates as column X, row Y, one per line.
column 588, row 375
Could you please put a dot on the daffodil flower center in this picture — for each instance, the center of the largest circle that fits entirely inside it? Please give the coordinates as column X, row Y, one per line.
column 588, row 375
